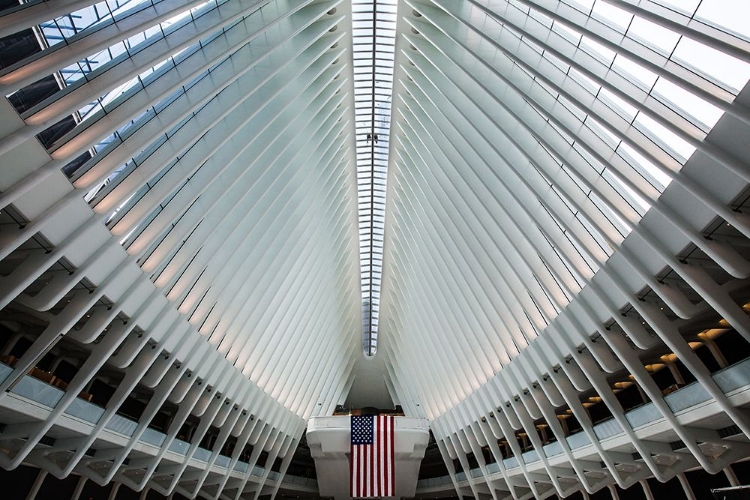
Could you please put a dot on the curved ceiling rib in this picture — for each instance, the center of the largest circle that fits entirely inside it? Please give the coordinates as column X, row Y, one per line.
column 526, row 152
column 563, row 201
column 193, row 212
column 184, row 217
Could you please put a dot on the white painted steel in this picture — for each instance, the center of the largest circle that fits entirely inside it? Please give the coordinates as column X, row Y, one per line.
column 566, row 196
column 538, row 196
column 215, row 225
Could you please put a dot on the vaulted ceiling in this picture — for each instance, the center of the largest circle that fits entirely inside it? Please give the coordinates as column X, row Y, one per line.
column 425, row 203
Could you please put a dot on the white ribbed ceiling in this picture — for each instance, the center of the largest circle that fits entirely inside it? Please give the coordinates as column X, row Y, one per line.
column 529, row 139
column 481, row 193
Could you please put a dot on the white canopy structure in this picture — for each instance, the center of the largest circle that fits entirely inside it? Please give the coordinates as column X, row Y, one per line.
column 524, row 221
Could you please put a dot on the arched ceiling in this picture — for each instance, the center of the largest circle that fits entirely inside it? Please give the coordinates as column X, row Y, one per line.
column 221, row 179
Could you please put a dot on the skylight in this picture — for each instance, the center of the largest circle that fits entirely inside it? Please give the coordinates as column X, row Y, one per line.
column 373, row 46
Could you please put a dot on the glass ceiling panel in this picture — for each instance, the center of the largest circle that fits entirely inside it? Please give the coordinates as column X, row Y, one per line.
column 373, row 44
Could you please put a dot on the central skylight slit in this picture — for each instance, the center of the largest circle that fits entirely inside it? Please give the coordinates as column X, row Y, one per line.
column 373, row 46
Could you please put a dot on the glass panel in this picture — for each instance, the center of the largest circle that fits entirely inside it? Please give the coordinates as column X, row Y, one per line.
column 374, row 46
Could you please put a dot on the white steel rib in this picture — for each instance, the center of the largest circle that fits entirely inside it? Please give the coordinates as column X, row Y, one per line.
column 524, row 212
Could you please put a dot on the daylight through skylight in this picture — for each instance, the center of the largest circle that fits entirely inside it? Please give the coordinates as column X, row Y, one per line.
column 374, row 36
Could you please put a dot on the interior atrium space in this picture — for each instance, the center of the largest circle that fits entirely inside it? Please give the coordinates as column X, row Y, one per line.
column 520, row 227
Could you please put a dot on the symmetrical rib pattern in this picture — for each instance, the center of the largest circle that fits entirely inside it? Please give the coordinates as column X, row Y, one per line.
column 187, row 189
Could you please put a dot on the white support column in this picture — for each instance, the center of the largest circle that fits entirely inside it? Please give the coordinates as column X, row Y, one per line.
column 686, row 487
column 41, row 475
column 731, row 476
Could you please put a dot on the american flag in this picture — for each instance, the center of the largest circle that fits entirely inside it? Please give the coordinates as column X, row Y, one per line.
column 372, row 471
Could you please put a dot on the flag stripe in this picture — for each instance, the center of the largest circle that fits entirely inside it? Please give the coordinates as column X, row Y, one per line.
column 372, row 460
column 363, row 470
column 384, row 457
column 381, row 461
column 392, row 460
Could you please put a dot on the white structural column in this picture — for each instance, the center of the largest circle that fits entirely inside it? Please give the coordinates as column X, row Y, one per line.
column 330, row 446
column 192, row 238
column 566, row 211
